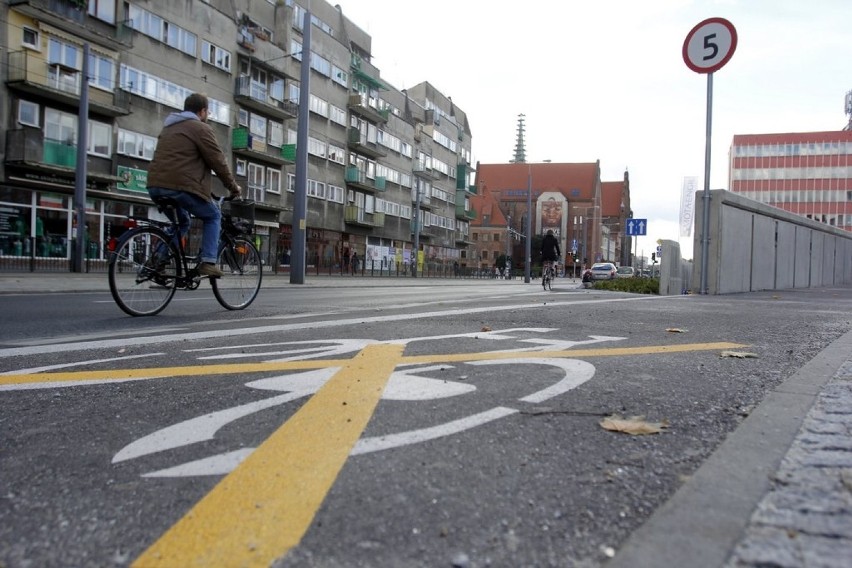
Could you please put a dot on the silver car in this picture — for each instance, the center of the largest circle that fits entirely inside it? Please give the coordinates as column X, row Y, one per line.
column 604, row 271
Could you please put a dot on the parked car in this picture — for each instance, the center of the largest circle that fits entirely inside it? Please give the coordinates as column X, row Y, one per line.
column 625, row 272
column 604, row 271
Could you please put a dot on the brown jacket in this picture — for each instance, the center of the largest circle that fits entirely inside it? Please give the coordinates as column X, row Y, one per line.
column 187, row 150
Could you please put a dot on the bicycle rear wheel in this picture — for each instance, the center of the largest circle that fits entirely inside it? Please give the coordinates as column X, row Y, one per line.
column 238, row 288
column 143, row 271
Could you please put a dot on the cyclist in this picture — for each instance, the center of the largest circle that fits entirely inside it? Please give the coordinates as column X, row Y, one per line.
column 550, row 251
column 187, row 150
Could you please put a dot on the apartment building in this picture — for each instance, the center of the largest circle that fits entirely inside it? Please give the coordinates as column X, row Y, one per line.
column 806, row 173
column 386, row 168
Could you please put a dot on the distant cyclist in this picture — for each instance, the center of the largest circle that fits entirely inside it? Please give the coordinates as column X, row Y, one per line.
column 550, row 251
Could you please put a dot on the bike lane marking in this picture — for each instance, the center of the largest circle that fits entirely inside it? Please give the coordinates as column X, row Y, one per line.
column 261, row 510
column 52, row 379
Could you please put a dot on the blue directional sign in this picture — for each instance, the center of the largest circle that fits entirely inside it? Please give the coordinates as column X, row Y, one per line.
column 636, row 227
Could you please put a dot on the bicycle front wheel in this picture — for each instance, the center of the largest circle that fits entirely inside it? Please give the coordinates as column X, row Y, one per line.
column 240, row 262
column 143, row 271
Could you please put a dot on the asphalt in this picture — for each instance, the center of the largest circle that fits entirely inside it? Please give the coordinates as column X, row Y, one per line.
column 776, row 493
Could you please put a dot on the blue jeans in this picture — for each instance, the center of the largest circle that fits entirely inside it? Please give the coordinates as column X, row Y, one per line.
column 207, row 211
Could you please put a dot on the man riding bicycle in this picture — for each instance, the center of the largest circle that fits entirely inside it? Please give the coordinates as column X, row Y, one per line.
column 187, row 150
column 550, row 251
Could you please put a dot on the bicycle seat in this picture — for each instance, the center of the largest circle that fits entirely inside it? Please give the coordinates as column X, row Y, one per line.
column 164, row 203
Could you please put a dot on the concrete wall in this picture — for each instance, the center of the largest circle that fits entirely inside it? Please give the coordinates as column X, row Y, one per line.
column 753, row 247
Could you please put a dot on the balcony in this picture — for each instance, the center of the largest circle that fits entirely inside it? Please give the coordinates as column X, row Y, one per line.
column 462, row 171
column 31, row 155
column 358, row 142
column 360, row 105
column 423, row 171
column 425, row 200
column 462, row 239
column 245, row 144
column 358, row 179
column 354, row 215
column 69, row 15
column 463, row 213
column 256, row 97
column 61, row 84
column 426, row 231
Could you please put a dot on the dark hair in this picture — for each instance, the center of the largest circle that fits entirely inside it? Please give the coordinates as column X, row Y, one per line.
column 550, row 233
column 196, row 102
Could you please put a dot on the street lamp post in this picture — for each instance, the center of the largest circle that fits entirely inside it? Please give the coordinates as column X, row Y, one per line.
column 528, row 244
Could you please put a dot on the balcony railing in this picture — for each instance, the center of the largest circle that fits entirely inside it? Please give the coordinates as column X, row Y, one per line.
column 62, row 84
column 358, row 141
column 354, row 215
column 257, row 96
column 359, row 104
column 357, row 178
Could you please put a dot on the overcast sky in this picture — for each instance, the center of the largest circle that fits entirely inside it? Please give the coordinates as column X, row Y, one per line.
column 606, row 81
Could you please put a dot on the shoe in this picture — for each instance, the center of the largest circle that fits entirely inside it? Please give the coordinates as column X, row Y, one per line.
column 209, row 269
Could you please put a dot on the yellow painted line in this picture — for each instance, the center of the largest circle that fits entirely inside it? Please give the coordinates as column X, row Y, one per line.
column 237, row 368
column 263, row 508
column 569, row 353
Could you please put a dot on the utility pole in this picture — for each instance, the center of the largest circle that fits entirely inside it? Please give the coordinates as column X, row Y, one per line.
column 80, row 180
column 300, row 200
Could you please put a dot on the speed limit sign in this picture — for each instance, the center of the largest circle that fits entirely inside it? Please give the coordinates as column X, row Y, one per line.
column 710, row 45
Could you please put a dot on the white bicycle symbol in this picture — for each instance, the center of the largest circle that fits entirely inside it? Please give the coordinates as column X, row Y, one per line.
column 406, row 383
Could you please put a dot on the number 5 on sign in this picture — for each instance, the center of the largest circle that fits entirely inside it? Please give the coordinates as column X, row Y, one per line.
column 710, row 45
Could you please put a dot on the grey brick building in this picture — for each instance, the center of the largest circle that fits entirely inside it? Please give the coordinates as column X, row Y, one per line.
column 375, row 152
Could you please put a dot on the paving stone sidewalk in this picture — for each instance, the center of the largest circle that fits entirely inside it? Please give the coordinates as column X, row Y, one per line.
column 806, row 518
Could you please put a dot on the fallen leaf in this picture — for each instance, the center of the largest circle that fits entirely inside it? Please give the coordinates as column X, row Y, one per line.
column 485, row 328
column 676, row 330
column 738, row 354
column 635, row 425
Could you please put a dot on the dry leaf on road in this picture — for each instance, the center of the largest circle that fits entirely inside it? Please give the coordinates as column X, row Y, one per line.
column 738, row 354
column 635, row 425
column 676, row 330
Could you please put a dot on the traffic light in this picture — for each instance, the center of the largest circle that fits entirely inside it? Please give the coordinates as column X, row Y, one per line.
column 654, row 258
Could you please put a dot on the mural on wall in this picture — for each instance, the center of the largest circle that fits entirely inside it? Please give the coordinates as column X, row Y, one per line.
column 552, row 215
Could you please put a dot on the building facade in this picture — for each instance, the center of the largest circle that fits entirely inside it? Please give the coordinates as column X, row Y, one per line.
column 586, row 214
column 386, row 168
column 806, row 173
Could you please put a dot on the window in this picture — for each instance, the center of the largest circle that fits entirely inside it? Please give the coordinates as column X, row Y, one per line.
column 101, row 72
column 340, row 76
column 100, row 139
column 28, row 114
column 316, row 189
column 337, row 154
column 256, row 183
column 337, row 115
column 135, row 144
column 334, row 193
column 61, row 53
column 30, row 38
column 241, row 168
column 273, row 177
column 60, row 126
column 179, row 38
column 276, row 134
column 215, row 55
column 258, row 126
column 103, row 10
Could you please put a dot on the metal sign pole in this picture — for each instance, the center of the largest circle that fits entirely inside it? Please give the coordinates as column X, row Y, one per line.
column 705, row 223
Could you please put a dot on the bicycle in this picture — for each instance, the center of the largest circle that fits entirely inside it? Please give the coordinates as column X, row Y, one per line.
column 548, row 274
column 149, row 263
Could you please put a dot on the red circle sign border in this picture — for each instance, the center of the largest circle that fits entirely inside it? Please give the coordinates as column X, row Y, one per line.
column 724, row 60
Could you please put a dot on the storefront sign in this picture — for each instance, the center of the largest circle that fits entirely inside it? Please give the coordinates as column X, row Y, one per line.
column 132, row 179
